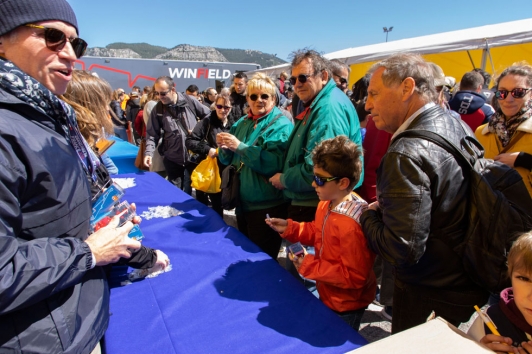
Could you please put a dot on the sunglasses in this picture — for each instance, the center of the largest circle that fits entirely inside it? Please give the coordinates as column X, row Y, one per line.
column 516, row 93
column 219, row 106
column 320, row 181
column 255, row 97
column 162, row 93
column 302, row 78
column 56, row 40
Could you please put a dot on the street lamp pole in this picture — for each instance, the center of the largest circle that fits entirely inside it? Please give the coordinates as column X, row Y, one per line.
column 387, row 30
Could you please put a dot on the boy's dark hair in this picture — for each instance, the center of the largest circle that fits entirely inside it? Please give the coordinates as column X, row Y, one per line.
column 240, row 75
column 340, row 157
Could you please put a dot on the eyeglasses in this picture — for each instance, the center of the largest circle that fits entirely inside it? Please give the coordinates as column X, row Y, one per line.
column 320, row 181
column 162, row 93
column 342, row 80
column 255, row 97
column 219, row 106
column 302, row 78
column 56, row 40
column 516, row 93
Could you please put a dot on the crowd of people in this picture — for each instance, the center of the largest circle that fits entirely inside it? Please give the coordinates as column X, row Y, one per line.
column 317, row 163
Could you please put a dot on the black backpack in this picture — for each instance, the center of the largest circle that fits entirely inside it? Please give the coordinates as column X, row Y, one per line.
column 500, row 210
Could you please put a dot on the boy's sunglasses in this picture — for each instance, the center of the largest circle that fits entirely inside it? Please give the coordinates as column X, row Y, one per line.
column 219, row 106
column 302, row 78
column 255, row 97
column 320, row 181
column 56, row 40
column 516, row 93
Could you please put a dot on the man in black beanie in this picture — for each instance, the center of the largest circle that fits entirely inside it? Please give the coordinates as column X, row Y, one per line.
column 53, row 290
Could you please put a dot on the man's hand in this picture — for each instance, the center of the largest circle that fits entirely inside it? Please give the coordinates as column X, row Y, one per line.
column 278, row 225
column 147, row 161
column 275, row 180
column 374, row 206
column 110, row 243
column 162, row 260
column 507, row 158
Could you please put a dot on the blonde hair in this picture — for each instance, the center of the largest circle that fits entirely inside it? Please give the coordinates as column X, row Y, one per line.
column 262, row 82
column 520, row 255
column 90, row 96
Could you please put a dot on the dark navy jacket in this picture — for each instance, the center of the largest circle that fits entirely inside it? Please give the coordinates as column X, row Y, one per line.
column 472, row 107
column 50, row 301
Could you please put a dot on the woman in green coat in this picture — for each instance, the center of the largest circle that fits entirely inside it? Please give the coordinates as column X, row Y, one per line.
column 257, row 143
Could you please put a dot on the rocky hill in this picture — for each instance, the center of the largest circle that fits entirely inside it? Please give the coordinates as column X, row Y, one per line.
column 185, row 52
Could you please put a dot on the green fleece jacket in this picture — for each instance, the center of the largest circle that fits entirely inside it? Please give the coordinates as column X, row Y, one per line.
column 330, row 114
column 261, row 161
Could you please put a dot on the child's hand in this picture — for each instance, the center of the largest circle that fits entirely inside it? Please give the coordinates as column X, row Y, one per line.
column 526, row 347
column 498, row 344
column 298, row 261
column 278, row 225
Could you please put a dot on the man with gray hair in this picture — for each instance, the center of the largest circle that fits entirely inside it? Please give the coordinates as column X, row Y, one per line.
column 421, row 210
column 340, row 74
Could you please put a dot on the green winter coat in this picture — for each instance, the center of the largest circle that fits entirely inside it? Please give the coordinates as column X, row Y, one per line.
column 330, row 114
column 261, row 161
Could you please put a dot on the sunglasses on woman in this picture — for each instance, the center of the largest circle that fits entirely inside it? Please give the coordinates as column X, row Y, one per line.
column 219, row 106
column 320, row 181
column 56, row 40
column 516, row 93
column 255, row 97
column 301, row 78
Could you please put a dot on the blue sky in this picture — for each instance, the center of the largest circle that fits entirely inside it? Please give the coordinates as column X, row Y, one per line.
column 279, row 27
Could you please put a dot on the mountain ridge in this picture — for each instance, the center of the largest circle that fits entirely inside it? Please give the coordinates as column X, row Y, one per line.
column 185, row 52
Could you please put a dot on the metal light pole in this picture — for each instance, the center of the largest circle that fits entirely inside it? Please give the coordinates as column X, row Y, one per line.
column 387, row 30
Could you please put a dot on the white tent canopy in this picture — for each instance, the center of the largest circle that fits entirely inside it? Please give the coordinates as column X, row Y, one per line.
column 484, row 37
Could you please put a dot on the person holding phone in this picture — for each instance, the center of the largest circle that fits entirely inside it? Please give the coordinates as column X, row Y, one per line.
column 343, row 264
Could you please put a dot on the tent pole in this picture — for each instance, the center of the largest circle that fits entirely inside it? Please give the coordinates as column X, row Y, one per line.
column 471, row 59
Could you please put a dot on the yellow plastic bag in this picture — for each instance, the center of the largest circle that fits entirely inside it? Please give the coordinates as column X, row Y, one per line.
column 206, row 176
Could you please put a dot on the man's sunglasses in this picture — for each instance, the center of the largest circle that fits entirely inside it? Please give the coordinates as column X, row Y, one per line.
column 219, row 106
column 162, row 93
column 516, row 93
column 56, row 40
column 255, row 97
column 302, row 78
column 320, row 181
column 343, row 80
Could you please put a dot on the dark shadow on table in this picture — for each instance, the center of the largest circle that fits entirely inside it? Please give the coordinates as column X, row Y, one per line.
column 285, row 298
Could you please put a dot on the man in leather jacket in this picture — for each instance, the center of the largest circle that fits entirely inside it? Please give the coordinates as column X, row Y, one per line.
column 421, row 208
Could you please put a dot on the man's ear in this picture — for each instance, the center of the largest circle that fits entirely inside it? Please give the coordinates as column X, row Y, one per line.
column 2, row 51
column 408, row 87
column 324, row 77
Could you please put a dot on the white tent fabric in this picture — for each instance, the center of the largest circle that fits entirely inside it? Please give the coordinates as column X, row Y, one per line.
column 502, row 34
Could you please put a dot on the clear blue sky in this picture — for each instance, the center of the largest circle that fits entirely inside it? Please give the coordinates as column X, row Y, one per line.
column 281, row 26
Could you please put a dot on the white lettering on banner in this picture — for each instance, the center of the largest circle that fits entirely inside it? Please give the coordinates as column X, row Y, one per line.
column 176, row 72
column 464, row 105
column 188, row 73
column 191, row 73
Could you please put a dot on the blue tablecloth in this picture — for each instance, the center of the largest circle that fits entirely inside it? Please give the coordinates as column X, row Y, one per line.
column 223, row 295
column 123, row 155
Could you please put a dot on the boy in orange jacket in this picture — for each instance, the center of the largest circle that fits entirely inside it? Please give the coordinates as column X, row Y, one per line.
column 343, row 264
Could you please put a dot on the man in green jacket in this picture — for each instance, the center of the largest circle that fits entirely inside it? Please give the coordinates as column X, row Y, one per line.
column 328, row 113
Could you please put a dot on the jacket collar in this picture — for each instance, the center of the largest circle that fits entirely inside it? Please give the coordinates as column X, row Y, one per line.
column 352, row 208
column 331, row 85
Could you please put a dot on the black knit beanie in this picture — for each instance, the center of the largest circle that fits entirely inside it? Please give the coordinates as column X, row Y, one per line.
column 15, row 13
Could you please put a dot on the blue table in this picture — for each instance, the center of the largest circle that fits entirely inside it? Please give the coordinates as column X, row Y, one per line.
column 223, row 295
column 123, row 155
